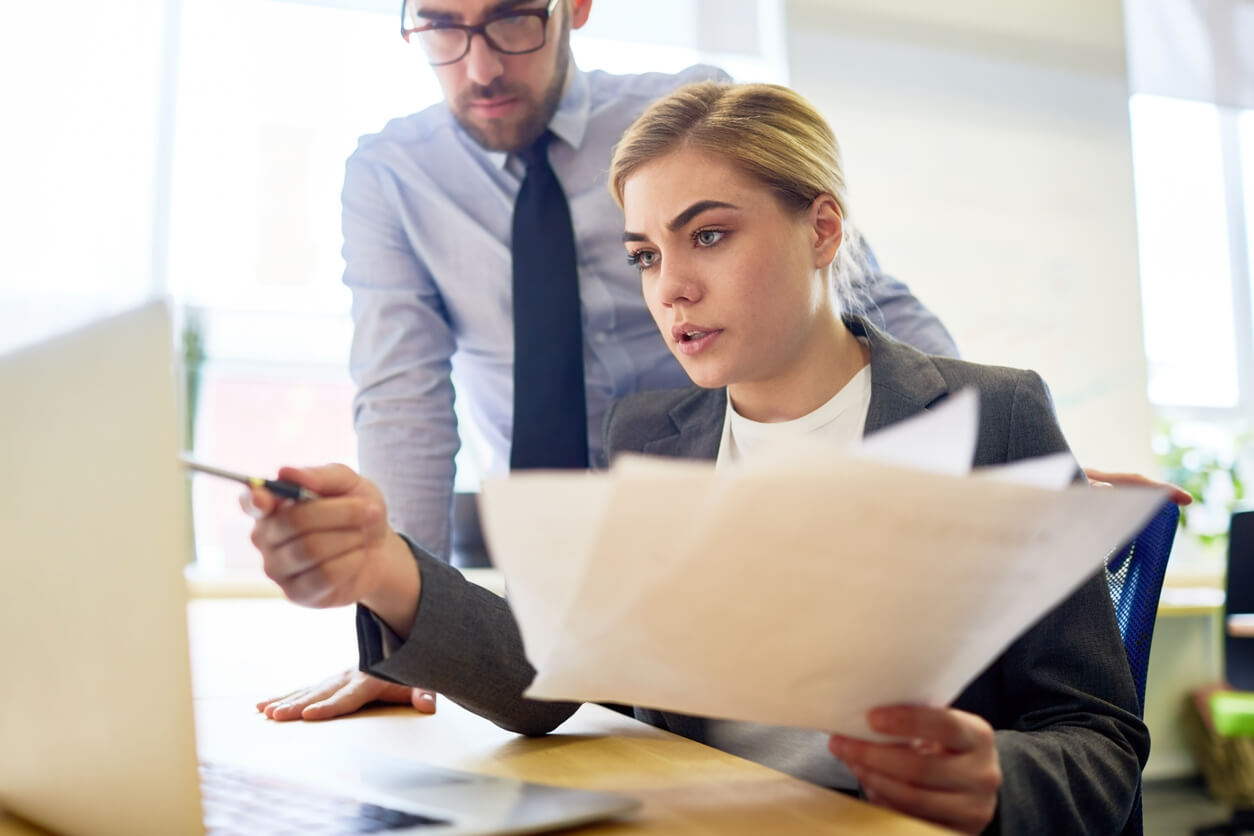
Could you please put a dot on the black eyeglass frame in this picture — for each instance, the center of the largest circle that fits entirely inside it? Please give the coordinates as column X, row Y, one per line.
column 482, row 29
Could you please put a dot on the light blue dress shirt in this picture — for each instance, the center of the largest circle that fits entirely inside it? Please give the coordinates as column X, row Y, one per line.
column 427, row 220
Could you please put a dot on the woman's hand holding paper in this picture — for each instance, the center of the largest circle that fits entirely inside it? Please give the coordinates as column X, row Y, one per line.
column 947, row 772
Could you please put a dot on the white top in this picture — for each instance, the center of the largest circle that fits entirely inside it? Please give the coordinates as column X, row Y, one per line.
column 801, row 753
column 839, row 421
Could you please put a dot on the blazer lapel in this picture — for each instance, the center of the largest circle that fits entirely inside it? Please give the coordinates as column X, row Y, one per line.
column 698, row 422
column 904, row 380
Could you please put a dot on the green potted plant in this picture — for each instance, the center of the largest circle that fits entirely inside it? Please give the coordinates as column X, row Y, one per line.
column 1207, row 460
column 191, row 361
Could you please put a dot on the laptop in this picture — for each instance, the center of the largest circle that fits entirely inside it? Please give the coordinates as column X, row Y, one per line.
column 96, row 721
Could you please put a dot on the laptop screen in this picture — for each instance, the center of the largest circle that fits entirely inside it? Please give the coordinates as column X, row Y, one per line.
column 98, row 723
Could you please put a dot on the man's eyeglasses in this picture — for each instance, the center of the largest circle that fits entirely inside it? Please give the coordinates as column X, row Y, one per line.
column 513, row 32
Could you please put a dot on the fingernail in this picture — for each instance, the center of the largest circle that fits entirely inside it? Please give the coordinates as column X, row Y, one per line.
column 427, row 697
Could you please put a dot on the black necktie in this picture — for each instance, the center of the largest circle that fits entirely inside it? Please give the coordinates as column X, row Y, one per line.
column 550, row 409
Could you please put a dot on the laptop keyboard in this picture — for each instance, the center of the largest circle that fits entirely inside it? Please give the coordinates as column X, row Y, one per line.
column 237, row 801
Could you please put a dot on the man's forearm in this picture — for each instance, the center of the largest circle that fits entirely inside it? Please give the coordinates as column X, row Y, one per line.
column 416, row 481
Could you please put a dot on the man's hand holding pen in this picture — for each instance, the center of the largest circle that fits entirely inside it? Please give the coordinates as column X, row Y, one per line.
column 338, row 549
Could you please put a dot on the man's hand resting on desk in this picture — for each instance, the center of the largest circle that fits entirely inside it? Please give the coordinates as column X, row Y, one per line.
column 330, row 552
column 948, row 772
column 342, row 694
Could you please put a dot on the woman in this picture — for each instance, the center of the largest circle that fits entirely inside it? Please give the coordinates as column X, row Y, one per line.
column 736, row 217
column 735, row 212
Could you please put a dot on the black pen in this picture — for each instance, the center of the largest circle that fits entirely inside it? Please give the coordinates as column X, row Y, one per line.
column 278, row 487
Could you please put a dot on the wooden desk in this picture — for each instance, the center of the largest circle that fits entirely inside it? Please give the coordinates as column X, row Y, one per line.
column 1190, row 600
column 245, row 649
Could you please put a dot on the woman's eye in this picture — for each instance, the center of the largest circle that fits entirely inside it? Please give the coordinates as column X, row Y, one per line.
column 642, row 259
column 708, row 237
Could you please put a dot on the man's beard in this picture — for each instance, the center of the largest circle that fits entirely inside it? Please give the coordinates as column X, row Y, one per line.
column 513, row 137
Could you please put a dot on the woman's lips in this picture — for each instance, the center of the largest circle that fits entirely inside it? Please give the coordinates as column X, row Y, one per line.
column 697, row 344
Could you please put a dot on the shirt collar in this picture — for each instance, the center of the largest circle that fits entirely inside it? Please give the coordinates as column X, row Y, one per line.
column 570, row 120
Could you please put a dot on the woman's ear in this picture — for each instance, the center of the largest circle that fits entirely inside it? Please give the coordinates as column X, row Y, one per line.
column 828, row 229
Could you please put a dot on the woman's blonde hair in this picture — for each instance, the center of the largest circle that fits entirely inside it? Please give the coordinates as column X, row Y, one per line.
column 770, row 133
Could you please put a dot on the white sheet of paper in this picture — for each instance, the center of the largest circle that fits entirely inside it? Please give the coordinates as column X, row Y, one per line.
column 546, row 522
column 1056, row 471
column 941, row 440
column 802, row 594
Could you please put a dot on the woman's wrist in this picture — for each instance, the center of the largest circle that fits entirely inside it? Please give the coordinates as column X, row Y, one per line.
column 395, row 595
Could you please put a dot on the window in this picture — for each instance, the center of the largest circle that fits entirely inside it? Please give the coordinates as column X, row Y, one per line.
column 1245, row 305
column 1193, row 152
column 1187, row 276
column 271, row 98
column 81, row 163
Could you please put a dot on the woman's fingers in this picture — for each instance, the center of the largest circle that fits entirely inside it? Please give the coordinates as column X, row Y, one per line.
column 302, row 519
column 965, row 812
column 325, row 480
column 308, row 553
column 956, row 731
column 945, row 769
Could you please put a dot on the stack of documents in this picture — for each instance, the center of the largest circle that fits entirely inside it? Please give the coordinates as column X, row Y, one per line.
column 803, row 590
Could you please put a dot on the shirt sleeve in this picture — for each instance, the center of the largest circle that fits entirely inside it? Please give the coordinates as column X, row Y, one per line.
column 401, row 361
column 891, row 307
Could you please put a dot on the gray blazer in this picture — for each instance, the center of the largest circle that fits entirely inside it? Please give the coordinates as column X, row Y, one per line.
column 1061, row 697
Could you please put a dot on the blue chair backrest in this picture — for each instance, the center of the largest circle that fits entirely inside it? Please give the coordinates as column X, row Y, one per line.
column 1135, row 576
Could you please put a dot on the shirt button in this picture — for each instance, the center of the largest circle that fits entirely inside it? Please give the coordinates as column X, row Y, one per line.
column 601, row 336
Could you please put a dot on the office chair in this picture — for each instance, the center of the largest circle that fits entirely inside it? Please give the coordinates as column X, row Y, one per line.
column 1231, row 711
column 1135, row 577
column 468, row 548
column 1239, row 598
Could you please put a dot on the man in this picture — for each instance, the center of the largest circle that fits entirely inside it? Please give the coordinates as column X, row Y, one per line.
column 432, row 245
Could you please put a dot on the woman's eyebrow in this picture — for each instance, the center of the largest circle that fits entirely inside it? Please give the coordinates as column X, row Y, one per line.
column 681, row 220
column 695, row 209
